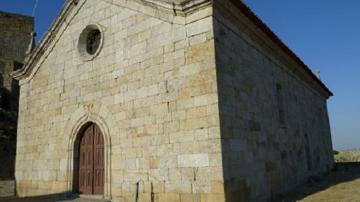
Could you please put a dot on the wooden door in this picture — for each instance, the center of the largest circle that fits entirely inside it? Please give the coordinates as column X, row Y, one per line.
column 98, row 161
column 91, row 161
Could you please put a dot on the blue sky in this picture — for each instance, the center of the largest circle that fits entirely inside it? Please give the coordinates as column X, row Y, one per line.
column 325, row 34
column 45, row 11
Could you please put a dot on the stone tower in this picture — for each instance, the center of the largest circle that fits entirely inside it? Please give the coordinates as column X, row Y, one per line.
column 15, row 35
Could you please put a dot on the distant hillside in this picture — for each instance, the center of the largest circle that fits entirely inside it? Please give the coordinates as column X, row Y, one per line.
column 348, row 156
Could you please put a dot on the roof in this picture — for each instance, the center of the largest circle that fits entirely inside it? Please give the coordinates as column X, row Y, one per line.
column 169, row 4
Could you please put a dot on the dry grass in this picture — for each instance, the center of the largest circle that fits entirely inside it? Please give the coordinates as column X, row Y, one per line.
column 348, row 156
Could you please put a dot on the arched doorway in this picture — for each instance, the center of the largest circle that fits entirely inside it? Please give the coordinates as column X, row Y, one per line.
column 89, row 163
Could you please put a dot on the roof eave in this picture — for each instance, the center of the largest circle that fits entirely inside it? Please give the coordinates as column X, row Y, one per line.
column 41, row 47
column 264, row 28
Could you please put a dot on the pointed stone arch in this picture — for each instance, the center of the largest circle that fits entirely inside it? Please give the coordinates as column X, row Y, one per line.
column 77, row 129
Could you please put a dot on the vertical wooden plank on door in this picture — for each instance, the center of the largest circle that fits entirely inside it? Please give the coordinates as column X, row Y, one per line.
column 86, row 162
column 98, row 161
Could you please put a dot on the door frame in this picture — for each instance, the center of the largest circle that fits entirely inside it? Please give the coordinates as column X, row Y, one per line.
column 73, row 153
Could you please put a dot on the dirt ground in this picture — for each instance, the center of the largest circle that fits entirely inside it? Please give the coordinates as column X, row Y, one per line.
column 341, row 185
column 349, row 191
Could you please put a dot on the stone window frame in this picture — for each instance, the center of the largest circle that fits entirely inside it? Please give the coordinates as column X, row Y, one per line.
column 82, row 42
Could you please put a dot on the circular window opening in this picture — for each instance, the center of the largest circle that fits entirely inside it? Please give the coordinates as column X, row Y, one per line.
column 90, row 42
column 93, row 41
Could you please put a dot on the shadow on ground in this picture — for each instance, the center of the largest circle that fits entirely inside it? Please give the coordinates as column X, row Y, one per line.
column 62, row 197
column 342, row 173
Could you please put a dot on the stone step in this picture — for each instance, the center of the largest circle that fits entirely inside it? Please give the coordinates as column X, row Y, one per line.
column 7, row 188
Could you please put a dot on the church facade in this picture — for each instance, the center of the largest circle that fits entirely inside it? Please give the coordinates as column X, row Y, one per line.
column 168, row 100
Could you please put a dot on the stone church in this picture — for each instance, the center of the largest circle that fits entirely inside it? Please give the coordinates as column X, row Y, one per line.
column 168, row 100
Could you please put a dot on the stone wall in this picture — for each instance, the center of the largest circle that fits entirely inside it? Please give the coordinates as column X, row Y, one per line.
column 152, row 91
column 7, row 188
column 274, row 124
column 14, row 39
